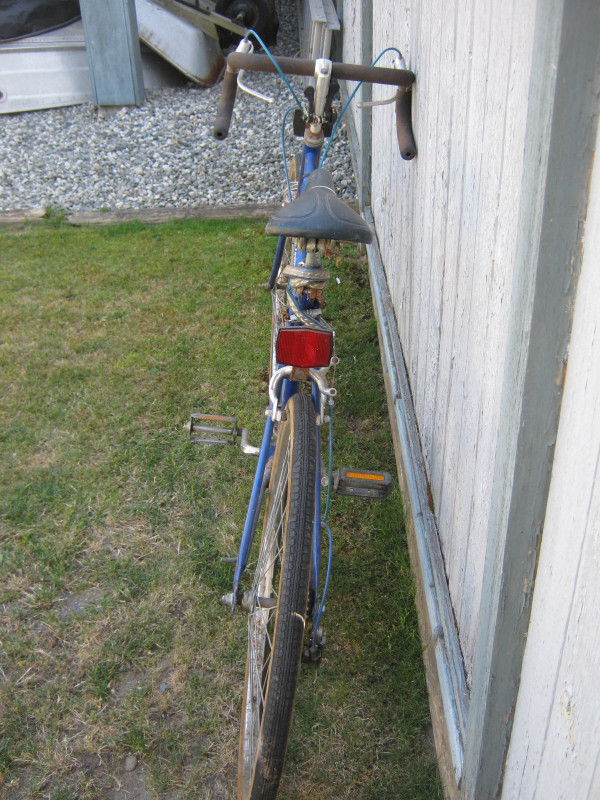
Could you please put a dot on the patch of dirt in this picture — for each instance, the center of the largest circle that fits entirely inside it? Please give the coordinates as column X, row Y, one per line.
column 118, row 779
column 21, row 787
column 75, row 603
column 128, row 682
column 130, row 785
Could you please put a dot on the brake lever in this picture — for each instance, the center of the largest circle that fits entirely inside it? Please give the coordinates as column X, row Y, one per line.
column 403, row 101
column 252, row 92
column 246, row 46
column 397, row 63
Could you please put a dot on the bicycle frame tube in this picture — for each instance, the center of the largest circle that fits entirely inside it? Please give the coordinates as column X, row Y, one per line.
column 266, row 451
column 310, row 162
column 316, row 543
column 277, row 261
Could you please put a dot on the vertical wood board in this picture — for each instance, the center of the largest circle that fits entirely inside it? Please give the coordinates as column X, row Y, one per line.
column 439, row 221
column 562, row 120
column 555, row 743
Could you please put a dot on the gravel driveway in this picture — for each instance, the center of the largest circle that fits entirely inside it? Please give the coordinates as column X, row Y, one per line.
column 159, row 155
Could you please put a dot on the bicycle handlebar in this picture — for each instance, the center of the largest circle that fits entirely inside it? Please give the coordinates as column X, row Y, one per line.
column 402, row 78
column 225, row 107
column 306, row 67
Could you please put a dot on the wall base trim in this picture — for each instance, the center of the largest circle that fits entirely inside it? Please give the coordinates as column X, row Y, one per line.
column 446, row 681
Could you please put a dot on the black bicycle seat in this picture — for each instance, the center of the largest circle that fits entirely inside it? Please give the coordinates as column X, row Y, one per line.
column 319, row 214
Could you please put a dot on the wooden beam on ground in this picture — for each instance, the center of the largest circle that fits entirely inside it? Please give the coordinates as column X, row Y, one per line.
column 148, row 216
column 156, row 216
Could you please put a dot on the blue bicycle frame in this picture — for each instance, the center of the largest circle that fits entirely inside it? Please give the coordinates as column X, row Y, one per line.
column 309, row 163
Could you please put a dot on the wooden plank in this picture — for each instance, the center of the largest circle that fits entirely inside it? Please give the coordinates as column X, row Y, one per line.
column 393, row 179
column 554, row 747
column 460, row 41
column 424, row 282
column 420, row 172
column 351, row 19
column 459, row 459
column 10, row 219
column 364, row 117
column 480, row 409
column 113, row 50
column 157, row 216
column 445, row 45
column 562, row 120
column 463, row 411
column 498, row 254
column 149, row 216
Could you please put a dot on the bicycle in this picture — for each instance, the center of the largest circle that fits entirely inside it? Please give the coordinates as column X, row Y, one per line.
column 284, row 599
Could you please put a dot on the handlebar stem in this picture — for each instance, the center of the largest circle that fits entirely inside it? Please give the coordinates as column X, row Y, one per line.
column 323, row 77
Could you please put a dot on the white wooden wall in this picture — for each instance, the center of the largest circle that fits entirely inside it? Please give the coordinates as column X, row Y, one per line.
column 555, row 742
column 482, row 238
column 446, row 224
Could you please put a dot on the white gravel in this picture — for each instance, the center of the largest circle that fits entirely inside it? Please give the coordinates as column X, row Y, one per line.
column 159, row 155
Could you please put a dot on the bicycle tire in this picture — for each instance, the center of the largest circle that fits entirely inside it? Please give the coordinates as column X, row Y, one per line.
column 276, row 632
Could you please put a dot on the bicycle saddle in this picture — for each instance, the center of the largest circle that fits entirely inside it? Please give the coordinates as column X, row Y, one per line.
column 318, row 213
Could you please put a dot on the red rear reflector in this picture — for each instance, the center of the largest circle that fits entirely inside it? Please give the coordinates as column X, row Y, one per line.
column 304, row 347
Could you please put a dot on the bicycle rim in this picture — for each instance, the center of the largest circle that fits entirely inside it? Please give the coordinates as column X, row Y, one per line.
column 277, row 602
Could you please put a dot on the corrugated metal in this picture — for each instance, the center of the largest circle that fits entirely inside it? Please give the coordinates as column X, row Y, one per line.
column 51, row 70
column 45, row 71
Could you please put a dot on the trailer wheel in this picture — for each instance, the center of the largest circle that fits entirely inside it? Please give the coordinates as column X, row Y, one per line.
column 260, row 15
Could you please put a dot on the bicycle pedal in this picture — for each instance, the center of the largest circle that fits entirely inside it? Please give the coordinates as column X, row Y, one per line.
column 212, row 429
column 362, row 483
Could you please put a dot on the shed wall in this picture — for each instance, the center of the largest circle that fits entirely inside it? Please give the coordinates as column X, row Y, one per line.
column 446, row 224
column 554, row 749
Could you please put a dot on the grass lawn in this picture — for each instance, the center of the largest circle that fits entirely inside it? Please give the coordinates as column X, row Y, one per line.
column 120, row 672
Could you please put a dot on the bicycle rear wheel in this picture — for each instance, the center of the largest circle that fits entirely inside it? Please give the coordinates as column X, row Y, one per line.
column 277, row 605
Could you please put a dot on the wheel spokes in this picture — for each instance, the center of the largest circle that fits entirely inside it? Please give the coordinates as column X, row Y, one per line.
column 261, row 619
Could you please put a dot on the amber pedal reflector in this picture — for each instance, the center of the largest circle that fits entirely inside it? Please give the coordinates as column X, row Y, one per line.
column 366, row 476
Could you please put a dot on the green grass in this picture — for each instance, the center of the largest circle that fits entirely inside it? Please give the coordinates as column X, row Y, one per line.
column 112, row 526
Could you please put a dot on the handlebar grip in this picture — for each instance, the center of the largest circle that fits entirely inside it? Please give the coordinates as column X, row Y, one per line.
column 404, row 131
column 225, row 107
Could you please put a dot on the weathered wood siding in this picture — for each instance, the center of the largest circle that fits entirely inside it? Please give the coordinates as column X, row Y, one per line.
column 555, row 742
column 446, row 224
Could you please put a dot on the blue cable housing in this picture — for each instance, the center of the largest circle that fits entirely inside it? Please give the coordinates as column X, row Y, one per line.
column 277, row 67
column 349, row 100
column 327, row 576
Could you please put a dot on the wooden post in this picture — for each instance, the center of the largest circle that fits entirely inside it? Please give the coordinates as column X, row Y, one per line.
column 113, row 49
column 563, row 116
